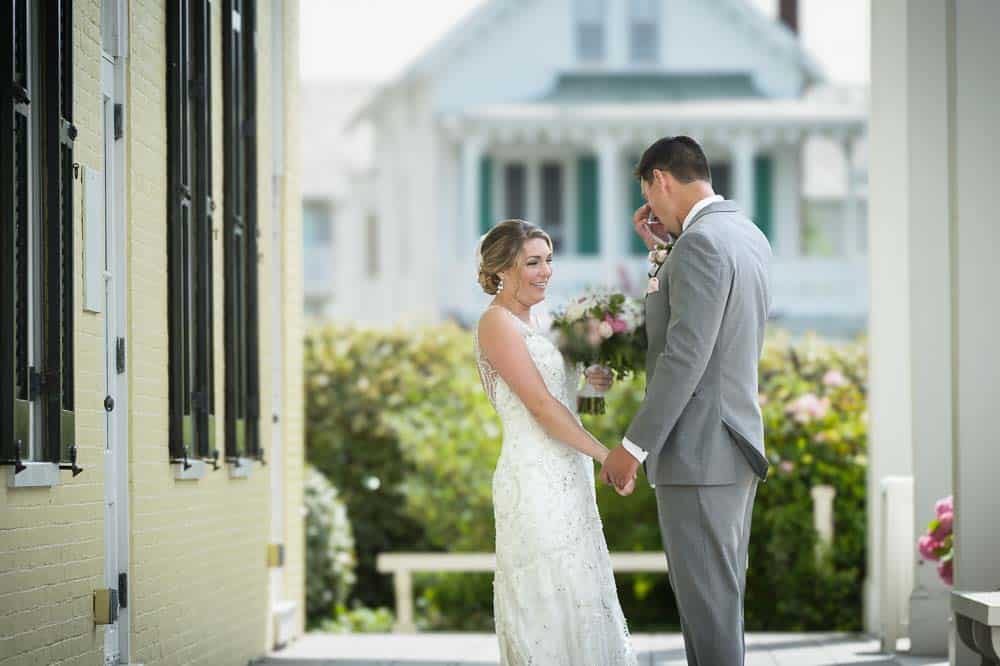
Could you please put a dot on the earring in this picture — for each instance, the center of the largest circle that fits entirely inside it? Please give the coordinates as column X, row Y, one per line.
column 500, row 285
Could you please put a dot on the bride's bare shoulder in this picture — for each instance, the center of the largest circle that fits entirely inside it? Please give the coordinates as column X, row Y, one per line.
column 497, row 325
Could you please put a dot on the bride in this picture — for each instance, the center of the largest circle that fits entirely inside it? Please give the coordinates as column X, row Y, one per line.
column 554, row 596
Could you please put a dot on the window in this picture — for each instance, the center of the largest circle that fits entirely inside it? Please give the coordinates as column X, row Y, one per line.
column 515, row 194
column 36, row 245
column 316, row 223
column 240, row 186
column 590, row 30
column 552, row 204
column 643, row 31
column 189, row 231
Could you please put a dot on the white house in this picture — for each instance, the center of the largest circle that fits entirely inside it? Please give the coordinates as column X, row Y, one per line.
column 539, row 109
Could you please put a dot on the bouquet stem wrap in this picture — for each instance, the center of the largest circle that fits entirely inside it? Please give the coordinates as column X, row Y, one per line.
column 590, row 400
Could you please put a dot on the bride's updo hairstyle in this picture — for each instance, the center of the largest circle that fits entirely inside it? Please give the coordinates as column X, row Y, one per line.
column 500, row 248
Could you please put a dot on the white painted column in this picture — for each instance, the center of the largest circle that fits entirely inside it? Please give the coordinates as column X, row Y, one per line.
column 850, row 209
column 472, row 152
column 612, row 218
column 743, row 182
column 889, row 401
column 788, row 201
column 930, row 305
column 975, row 236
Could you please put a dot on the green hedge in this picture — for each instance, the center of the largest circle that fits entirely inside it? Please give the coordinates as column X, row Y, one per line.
column 397, row 420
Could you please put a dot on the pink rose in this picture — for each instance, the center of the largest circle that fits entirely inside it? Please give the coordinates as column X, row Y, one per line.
column 617, row 325
column 944, row 505
column 944, row 526
column 927, row 545
column 834, row 379
column 947, row 572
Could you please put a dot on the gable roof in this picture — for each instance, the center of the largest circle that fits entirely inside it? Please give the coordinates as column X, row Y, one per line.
column 474, row 25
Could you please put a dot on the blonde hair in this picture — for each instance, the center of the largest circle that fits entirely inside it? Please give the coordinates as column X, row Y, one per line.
column 501, row 246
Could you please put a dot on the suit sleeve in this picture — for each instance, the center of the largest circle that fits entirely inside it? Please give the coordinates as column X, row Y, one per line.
column 699, row 289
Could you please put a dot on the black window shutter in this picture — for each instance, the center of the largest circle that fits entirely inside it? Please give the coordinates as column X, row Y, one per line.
column 189, row 229
column 9, row 234
column 56, row 226
column 240, row 187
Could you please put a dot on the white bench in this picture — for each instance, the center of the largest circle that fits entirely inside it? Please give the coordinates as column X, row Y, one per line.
column 403, row 565
column 977, row 622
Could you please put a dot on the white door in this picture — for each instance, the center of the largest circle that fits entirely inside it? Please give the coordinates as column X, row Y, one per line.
column 116, row 638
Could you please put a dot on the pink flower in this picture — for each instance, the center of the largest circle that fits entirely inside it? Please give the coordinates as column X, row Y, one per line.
column 927, row 545
column 947, row 572
column 808, row 408
column 822, row 437
column 944, row 505
column 605, row 330
column 787, row 466
column 834, row 379
column 617, row 325
column 944, row 526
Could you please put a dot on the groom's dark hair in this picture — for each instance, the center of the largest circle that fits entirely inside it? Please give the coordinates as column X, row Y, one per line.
column 680, row 155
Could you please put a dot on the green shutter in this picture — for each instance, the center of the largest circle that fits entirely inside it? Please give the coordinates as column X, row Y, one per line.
column 636, row 200
column 485, row 194
column 587, row 206
column 764, row 193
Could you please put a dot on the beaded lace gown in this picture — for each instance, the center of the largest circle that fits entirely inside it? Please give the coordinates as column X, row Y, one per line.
column 554, row 597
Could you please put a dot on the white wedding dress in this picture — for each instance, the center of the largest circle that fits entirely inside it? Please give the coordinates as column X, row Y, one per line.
column 554, row 596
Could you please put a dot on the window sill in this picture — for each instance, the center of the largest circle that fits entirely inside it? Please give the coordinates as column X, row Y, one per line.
column 34, row 475
column 195, row 471
column 241, row 468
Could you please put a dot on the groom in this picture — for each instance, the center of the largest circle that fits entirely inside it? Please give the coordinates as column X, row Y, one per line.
column 698, row 432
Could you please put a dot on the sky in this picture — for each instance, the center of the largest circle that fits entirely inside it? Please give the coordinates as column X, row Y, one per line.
column 373, row 40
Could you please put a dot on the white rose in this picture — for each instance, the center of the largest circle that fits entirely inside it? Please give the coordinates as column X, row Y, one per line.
column 605, row 330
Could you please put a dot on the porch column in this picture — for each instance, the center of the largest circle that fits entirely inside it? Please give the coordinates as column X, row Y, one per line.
column 850, row 209
column 743, row 173
column 473, row 147
column 612, row 219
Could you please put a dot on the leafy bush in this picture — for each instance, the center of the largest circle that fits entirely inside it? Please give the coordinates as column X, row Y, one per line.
column 329, row 547
column 406, row 408
column 359, row 620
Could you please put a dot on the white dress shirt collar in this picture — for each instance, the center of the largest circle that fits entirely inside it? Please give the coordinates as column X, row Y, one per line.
column 695, row 209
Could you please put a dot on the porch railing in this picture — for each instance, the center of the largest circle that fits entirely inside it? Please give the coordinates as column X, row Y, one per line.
column 403, row 565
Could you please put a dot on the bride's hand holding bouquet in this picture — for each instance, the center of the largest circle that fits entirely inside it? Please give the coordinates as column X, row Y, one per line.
column 600, row 329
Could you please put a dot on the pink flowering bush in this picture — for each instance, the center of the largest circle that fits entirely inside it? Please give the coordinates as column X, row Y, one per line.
column 938, row 545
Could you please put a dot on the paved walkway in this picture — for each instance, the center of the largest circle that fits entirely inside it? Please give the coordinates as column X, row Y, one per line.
column 439, row 649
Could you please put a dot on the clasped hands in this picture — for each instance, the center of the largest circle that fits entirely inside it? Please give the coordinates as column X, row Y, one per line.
column 619, row 468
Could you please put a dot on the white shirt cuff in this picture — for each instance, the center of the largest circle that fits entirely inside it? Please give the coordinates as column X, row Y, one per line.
column 634, row 450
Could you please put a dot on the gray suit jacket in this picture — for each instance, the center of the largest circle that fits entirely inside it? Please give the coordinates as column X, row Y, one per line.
column 705, row 326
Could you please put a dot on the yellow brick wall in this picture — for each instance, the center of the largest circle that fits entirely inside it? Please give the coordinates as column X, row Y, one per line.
column 199, row 582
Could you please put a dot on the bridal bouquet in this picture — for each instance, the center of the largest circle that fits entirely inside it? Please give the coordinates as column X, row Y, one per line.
column 601, row 329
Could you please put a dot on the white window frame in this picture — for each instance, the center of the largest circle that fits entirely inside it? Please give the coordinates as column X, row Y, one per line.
column 636, row 17
column 532, row 161
column 582, row 19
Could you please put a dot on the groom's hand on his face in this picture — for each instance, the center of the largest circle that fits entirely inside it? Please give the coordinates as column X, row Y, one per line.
column 651, row 234
column 619, row 469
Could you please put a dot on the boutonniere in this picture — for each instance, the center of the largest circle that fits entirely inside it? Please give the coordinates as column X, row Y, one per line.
column 657, row 256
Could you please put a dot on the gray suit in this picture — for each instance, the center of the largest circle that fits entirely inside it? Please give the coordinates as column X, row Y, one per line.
column 700, row 421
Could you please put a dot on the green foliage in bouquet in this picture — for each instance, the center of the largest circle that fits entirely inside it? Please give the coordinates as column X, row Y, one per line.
column 603, row 328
